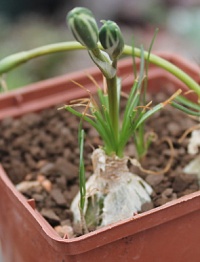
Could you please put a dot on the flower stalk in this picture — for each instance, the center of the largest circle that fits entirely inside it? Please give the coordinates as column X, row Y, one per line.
column 114, row 107
column 10, row 62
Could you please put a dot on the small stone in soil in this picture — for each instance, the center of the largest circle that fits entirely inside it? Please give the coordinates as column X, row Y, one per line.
column 38, row 197
column 17, row 171
column 186, row 192
column 64, row 231
column 154, row 180
column 194, row 187
column 173, row 128
column 61, row 182
column 147, row 206
column 167, row 192
column 50, row 215
column 181, row 182
column 41, row 163
column 58, row 197
column 72, row 193
column 68, row 214
column 46, row 168
column 47, row 185
column 161, row 201
column 26, row 186
column 66, row 222
column 66, row 168
column 61, row 167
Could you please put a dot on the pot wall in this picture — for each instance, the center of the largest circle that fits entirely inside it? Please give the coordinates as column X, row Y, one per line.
column 168, row 233
column 58, row 90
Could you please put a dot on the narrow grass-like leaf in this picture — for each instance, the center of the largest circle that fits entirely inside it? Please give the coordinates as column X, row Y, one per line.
column 148, row 59
column 139, row 135
column 128, row 120
column 133, row 97
column 107, row 127
column 134, row 61
column 82, row 179
column 186, row 102
column 98, row 127
column 185, row 109
column 132, row 103
column 147, row 114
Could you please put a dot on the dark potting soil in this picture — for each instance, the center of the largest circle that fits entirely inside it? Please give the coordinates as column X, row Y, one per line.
column 43, row 148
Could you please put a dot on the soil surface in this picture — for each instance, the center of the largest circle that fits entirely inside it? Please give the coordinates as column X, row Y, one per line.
column 41, row 150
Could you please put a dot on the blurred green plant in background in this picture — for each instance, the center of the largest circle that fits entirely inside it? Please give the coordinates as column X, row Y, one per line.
column 26, row 33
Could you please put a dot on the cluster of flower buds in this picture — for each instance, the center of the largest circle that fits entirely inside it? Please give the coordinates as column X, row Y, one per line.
column 84, row 27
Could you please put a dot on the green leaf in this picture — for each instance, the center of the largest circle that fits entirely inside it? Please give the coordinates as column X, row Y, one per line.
column 185, row 109
column 82, row 179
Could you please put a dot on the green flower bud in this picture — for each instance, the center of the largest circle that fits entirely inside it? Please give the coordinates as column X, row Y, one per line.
column 111, row 39
column 83, row 26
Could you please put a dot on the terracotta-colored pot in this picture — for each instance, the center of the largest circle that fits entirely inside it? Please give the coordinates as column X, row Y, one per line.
column 167, row 233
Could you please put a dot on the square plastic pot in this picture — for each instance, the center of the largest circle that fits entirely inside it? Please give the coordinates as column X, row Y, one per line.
column 167, row 233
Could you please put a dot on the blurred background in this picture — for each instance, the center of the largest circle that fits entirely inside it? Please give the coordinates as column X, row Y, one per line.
column 28, row 24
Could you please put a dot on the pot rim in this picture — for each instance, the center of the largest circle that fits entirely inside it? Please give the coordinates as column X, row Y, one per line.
column 19, row 101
